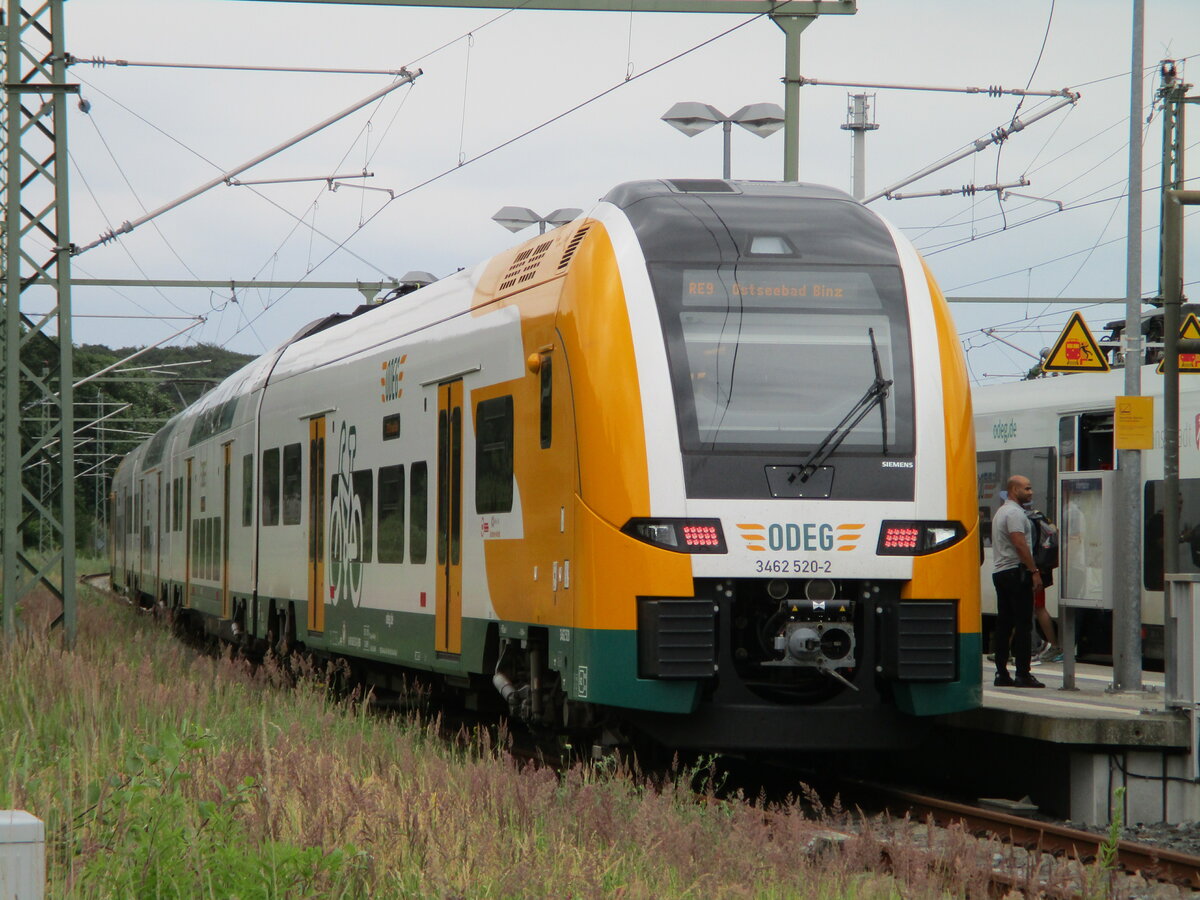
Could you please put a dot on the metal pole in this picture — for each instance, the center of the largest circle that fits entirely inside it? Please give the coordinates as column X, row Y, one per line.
column 727, row 128
column 860, row 164
column 66, row 350
column 1127, row 608
column 12, row 538
column 1172, row 285
column 792, row 27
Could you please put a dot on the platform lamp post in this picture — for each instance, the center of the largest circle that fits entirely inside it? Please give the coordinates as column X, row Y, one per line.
column 763, row 119
column 514, row 218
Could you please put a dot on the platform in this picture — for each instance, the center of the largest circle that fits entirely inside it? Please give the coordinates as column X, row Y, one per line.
column 1092, row 714
column 1069, row 750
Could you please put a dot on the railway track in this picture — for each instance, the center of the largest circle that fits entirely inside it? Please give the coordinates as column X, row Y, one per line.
column 1155, row 864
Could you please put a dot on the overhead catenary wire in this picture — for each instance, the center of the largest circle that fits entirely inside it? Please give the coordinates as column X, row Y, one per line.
column 998, row 136
column 223, row 178
column 524, row 134
column 990, row 91
column 101, row 62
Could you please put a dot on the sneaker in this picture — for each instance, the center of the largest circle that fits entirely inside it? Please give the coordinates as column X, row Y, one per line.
column 1003, row 679
column 991, row 657
column 1027, row 681
column 1052, row 654
column 1035, row 661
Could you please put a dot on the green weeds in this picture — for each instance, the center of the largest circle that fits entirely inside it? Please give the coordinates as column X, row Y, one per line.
column 163, row 774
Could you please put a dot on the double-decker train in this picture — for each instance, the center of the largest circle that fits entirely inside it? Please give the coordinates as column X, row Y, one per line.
column 698, row 465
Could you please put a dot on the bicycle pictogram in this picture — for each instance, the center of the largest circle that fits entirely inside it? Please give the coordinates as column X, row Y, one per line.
column 345, row 526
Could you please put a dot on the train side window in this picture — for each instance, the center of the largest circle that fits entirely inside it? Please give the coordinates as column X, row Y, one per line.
column 363, row 485
column 292, row 481
column 270, row 486
column 247, row 490
column 995, row 467
column 1094, row 441
column 391, row 514
column 209, row 545
column 218, row 547
column 391, row 427
column 418, row 510
column 1066, row 444
column 1188, row 554
column 494, row 455
column 547, row 398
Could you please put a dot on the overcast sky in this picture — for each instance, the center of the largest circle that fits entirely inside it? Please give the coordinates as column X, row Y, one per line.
column 153, row 134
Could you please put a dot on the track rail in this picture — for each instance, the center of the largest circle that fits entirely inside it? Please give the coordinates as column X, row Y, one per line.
column 1154, row 863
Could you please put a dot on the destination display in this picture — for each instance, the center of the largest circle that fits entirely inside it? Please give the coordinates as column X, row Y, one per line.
column 779, row 287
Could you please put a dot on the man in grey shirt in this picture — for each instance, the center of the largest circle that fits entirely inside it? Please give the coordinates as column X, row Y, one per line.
column 1016, row 577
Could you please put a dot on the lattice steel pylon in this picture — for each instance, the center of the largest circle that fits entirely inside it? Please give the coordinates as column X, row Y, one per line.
column 36, row 248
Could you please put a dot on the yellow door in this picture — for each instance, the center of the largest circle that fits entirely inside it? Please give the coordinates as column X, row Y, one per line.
column 316, row 524
column 223, row 528
column 449, row 519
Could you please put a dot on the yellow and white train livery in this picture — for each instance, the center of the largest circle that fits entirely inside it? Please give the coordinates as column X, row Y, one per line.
column 699, row 463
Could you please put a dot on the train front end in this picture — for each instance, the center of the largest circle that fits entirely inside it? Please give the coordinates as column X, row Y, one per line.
column 777, row 536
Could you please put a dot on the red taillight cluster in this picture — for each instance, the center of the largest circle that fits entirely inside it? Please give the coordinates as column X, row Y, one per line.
column 901, row 538
column 909, row 538
column 679, row 535
column 701, row 536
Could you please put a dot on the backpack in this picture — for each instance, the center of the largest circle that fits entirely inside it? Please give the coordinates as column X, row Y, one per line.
column 1045, row 542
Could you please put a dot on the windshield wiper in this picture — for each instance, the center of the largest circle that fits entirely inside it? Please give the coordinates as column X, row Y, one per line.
column 875, row 395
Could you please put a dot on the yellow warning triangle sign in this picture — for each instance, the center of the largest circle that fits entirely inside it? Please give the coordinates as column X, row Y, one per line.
column 1188, row 362
column 1075, row 350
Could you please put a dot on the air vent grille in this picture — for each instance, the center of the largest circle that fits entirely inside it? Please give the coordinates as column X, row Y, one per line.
column 525, row 266
column 676, row 638
column 572, row 247
column 921, row 640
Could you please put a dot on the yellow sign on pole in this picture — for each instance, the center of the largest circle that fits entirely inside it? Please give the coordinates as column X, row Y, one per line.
column 1075, row 350
column 1134, row 423
column 1188, row 362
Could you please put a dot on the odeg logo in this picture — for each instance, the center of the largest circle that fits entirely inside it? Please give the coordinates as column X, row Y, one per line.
column 1004, row 431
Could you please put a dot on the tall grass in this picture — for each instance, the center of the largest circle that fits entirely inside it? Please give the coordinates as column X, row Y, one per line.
column 164, row 774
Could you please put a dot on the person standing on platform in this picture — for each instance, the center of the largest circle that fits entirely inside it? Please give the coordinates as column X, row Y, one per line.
column 1045, row 556
column 1016, row 577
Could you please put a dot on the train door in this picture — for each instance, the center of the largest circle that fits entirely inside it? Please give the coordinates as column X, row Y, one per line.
column 187, row 536
column 227, row 473
column 449, row 519
column 158, row 535
column 114, row 529
column 316, row 524
column 124, row 527
column 139, row 530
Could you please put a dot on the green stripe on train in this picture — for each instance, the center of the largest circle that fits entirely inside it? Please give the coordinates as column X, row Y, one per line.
column 917, row 699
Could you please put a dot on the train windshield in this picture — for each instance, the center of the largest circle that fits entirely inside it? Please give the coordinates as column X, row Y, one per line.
column 766, row 356
column 772, row 357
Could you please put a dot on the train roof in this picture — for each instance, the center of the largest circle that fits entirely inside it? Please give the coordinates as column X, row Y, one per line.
column 623, row 195
column 1064, row 393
